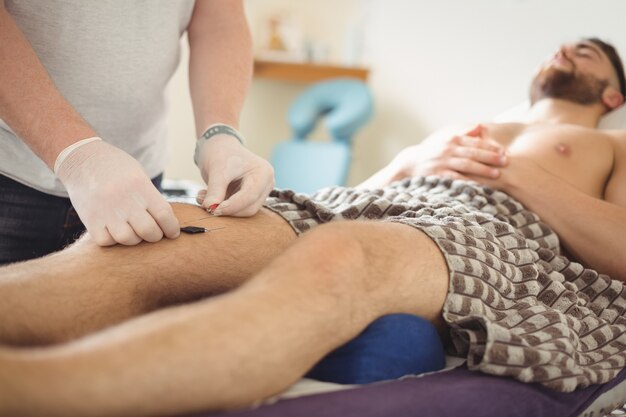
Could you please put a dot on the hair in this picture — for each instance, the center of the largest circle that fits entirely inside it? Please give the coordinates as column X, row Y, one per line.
column 616, row 61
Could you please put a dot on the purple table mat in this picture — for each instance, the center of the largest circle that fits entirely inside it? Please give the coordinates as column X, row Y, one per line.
column 454, row 393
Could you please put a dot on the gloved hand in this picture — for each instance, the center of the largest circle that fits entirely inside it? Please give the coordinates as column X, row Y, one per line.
column 113, row 197
column 237, row 179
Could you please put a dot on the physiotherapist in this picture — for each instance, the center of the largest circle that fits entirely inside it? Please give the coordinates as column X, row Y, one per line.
column 82, row 103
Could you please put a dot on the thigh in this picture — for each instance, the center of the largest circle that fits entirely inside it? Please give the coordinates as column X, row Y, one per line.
column 382, row 267
column 86, row 287
column 177, row 270
column 31, row 222
column 408, row 265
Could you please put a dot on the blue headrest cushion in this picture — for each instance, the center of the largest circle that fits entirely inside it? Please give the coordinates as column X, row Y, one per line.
column 345, row 103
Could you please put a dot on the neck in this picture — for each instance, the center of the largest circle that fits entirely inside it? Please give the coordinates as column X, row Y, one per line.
column 557, row 111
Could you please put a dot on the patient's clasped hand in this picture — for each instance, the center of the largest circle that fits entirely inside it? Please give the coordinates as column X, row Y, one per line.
column 500, row 262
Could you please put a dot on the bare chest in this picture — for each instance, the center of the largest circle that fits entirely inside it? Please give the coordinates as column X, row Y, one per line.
column 580, row 156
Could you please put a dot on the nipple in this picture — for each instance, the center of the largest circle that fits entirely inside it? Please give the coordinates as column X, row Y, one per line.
column 563, row 149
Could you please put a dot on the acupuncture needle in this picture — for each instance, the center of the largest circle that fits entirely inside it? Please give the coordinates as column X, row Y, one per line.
column 192, row 230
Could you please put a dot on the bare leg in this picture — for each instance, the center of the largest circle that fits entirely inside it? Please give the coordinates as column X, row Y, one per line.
column 235, row 349
column 85, row 287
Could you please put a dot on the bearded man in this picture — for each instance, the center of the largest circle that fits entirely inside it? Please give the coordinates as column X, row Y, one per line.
column 508, row 237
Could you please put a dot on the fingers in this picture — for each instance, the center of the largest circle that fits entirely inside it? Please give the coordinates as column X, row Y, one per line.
column 476, row 131
column 163, row 221
column 140, row 219
column 238, row 186
column 470, row 167
column 485, row 156
column 475, row 137
column 123, row 233
column 245, row 202
column 200, row 196
column 144, row 226
column 215, row 191
column 452, row 174
column 471, row 155
column 102, row 237
column 150, row 218
column 474, row 142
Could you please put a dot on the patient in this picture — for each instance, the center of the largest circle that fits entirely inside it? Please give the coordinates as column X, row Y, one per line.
column 126, row 331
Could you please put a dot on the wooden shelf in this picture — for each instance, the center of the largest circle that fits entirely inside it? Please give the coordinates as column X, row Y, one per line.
column 305, row 72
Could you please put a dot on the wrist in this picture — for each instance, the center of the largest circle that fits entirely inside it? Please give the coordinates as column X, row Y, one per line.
column 58, row 138
column 394, row 172
column 65, row 154
column 217, row 133
column 384, row 177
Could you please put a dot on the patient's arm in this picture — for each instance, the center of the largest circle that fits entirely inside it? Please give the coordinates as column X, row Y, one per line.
column 445, row 153
column 591, row 230
column 86, row 287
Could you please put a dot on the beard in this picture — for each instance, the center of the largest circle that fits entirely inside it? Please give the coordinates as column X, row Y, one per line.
column 572, row 86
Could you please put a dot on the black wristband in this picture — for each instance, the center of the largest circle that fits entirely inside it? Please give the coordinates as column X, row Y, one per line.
column 213, row 130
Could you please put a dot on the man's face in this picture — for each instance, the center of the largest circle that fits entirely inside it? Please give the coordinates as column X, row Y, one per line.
column 578, row 72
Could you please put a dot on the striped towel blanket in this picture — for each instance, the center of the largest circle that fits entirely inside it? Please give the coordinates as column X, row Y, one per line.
column 516, row 306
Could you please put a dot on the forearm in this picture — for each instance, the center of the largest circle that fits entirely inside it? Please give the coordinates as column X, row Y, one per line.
column 592, row 230
column 406, row 163
column 381, row 178
column 29, row 101
column 220, row 65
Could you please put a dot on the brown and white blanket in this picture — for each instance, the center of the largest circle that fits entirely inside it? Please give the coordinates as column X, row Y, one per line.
column 515, row 307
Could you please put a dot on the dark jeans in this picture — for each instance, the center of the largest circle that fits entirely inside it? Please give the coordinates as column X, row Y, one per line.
column 34, row 224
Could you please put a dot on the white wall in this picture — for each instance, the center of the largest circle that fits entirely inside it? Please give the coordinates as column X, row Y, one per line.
column 433, row 63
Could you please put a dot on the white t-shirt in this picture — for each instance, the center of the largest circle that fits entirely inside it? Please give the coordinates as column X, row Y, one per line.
column 111, row 59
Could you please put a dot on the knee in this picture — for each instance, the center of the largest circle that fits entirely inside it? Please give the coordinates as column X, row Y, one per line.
column 342, row 263
column 334, row 247
column 338, row 257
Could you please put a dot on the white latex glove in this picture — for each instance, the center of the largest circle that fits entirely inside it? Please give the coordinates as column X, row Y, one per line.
column 237, row 180
column 113, row 197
